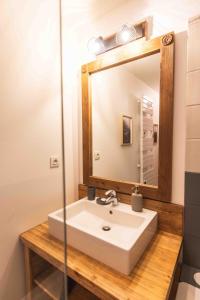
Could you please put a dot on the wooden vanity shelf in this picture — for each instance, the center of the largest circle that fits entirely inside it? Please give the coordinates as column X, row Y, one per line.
column 51, row 282
column 155, row 276
column 45, row 282
column 79, row 293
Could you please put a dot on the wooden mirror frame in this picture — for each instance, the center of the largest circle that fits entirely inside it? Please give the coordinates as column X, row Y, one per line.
column 124, row 54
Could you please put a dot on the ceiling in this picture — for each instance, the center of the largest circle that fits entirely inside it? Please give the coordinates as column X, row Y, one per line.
column 170, row 12
column 83, row 11
column 146, row 69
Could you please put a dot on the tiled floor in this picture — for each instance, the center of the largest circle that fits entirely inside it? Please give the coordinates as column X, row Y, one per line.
column 187, row 275
column 188, row 289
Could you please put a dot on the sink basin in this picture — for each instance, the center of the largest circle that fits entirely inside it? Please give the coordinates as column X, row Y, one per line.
column 115, row 236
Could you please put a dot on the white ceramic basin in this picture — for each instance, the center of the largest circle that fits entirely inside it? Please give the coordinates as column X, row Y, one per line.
column 121, row 246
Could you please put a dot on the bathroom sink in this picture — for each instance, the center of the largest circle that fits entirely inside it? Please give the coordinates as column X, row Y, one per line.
column 115, row 236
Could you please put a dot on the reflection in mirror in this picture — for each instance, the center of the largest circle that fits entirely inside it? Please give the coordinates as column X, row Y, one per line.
column 125, row 121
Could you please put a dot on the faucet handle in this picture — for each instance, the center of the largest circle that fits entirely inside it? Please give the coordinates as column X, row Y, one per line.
column 110, row 193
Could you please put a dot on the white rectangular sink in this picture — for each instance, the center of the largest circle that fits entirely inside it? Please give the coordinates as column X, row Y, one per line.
column 121, row 246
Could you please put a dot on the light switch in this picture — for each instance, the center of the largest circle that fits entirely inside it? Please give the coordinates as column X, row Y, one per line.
column 97, row 155
column 54, row 162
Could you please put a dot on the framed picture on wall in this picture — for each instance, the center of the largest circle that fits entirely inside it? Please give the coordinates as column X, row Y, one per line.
column 127, row 130
column 155, row 133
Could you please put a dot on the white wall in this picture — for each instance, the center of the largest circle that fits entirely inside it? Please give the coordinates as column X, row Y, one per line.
column 166, row 15
column 113, row 96
column 29, row 128
column 116, row 92
column 193, row 99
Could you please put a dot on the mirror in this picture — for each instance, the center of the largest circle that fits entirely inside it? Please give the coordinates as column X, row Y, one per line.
column 127, row 118
column 125, row 121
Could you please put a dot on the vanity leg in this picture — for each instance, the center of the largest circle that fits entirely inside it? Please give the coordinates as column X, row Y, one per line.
column 28, row 273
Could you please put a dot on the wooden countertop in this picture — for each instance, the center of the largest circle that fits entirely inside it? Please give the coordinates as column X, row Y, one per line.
column 151, row 278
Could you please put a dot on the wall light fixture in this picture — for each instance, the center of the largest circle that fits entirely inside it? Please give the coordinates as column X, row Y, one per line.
column 96, row 45
column 126, row 34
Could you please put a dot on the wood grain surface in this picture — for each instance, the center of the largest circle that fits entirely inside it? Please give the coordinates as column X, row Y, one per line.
column 151, row 279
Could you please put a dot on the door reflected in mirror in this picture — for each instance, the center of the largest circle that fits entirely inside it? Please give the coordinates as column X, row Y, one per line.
column 125, row 121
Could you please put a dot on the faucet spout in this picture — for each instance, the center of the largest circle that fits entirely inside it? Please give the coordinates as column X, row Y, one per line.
column 112, row 197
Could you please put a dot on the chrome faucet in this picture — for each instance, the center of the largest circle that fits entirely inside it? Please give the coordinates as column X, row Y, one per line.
column 111, row 197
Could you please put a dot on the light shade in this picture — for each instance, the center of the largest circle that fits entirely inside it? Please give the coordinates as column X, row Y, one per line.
column 126, row 34
column 96, row 45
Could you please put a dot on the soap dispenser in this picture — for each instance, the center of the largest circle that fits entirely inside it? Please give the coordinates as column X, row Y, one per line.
column 136, row 199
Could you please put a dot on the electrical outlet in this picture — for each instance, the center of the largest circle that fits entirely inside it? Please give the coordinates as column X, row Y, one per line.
column 97, row 155
column 54, row 162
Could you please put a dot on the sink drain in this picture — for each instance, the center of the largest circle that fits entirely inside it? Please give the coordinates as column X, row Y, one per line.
column 106, row 228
